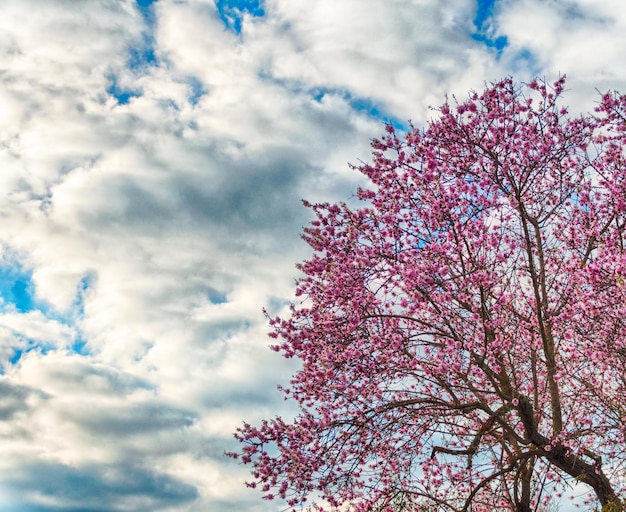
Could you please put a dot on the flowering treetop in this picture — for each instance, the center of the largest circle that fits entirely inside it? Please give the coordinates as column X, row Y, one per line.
column 462, row 334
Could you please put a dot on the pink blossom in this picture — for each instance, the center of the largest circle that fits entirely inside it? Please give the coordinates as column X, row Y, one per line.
column 461, row 336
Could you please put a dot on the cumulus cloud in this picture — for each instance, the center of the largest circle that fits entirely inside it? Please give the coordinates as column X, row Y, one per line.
column 153, row 158
column 401, row 54
column 580, row 38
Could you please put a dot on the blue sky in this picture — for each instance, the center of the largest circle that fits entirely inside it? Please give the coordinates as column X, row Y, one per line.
column 482, row 22
column 16, row 288
column 232, row 12
column 154, row 156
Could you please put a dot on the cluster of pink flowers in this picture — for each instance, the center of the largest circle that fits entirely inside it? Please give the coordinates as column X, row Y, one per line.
column 463, row 334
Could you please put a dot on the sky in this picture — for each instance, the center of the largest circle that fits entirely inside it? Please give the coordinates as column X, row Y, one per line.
column 153, row 159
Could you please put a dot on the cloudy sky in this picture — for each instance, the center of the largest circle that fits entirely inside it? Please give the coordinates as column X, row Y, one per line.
column 153, row 158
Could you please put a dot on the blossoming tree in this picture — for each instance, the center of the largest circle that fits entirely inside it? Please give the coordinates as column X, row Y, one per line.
column 462, row 335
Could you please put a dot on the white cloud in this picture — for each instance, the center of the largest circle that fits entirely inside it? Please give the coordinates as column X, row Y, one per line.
column 580, row 38
column 403, row 54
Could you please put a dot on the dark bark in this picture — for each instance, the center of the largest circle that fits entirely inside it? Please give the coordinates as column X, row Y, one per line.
column 524, row 476
column 573, row 465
